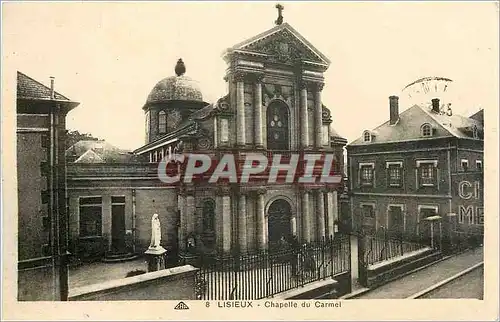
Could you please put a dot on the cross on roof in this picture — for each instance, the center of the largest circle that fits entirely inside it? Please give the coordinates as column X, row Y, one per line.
column 280, row 8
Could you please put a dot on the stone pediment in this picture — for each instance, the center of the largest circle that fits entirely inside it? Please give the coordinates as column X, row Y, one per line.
column 283, row 44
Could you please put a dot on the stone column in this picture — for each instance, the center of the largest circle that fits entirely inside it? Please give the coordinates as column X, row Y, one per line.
column 332, row 211
column 320, row 213
column 190, row 211
column 306, row 220
column 304, row 123
column 240, row 110
column 318, row 118
column 182, row 229
column 293, row 225
column 242, row 223
column 258, row 114
column 261, row 221
column 224, row 220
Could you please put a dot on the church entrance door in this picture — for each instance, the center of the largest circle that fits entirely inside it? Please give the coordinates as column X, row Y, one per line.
column 279, row 226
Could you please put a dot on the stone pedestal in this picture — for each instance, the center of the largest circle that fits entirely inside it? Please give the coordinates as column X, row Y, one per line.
column 156, row 258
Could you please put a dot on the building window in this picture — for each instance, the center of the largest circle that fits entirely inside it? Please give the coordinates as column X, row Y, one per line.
column 147, row 126
column 475, row 133
column 367, row 137
column 426, row 173
column 277, row 126
column 367, row 174
column 395, row 219
column 162, row 122
column 368, row 211
column 479, row 165
column 395, row 173
column 426, row 130
column 90, row 217
column 465, row 164
column 208, row 215
column 368, row 218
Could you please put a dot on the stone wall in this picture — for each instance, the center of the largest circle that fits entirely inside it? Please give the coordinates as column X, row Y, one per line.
column 176, row 283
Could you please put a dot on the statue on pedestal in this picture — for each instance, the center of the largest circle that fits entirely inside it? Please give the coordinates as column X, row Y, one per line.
column 155, row 235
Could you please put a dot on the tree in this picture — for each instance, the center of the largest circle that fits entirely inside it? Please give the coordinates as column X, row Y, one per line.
column 73, row 137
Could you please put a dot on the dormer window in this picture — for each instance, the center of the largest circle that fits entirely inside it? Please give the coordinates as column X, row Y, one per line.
column 426, row 130
column 367, row 137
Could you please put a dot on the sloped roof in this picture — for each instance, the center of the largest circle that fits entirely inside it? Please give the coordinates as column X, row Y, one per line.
column 246, row 45
column 410, row 121
column 334, row 133
column 90, row 151
column 89, row 157
column 478, row 116
column 28, row 88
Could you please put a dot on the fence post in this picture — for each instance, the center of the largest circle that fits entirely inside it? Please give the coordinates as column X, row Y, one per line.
column 401, row 245
column 363, row 265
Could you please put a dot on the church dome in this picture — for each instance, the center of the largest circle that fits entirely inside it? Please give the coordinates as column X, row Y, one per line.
column 176, row 88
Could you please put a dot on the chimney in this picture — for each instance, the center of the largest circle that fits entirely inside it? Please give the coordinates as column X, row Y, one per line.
column 393, row 110
column 435, row 105
column 52, row 95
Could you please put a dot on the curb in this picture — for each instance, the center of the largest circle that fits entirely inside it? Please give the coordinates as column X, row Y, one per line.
column 354, row 294
column 444, row 282
column 364, row 291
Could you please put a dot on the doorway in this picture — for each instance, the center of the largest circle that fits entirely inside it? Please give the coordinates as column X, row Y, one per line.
column 118, row 244
column 279, row 225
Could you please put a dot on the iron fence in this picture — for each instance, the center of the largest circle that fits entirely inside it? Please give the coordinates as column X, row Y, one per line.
column 385, row 247
column 264, row 274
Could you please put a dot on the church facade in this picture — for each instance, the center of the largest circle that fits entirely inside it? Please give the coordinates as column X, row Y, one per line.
column 273, row 106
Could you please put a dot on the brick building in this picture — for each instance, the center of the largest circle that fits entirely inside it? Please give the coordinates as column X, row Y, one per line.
column 425, row 163
column 273, row 105
column 41, row 177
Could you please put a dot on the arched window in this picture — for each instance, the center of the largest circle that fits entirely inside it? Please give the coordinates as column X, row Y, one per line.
column 162, row 122
column 367, row 137
column 426, row 130
column 147, row 126
column 277, row 126
column 208, row 215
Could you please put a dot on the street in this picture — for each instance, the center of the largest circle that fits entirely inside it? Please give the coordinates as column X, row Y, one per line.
column 422, row 279
column 467, row 286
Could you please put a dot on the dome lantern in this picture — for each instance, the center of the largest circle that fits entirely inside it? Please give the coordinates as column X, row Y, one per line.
column 180, row 68
column 175, row 88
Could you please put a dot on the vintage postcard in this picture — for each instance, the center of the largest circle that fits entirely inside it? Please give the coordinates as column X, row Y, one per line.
column 250, row 160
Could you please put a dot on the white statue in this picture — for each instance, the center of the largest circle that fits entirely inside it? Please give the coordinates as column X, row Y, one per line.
column 155, row 233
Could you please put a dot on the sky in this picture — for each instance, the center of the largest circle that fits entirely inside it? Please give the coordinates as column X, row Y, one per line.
column 108, row 56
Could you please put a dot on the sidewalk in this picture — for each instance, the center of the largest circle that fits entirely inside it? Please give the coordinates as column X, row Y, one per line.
column 420, row 280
